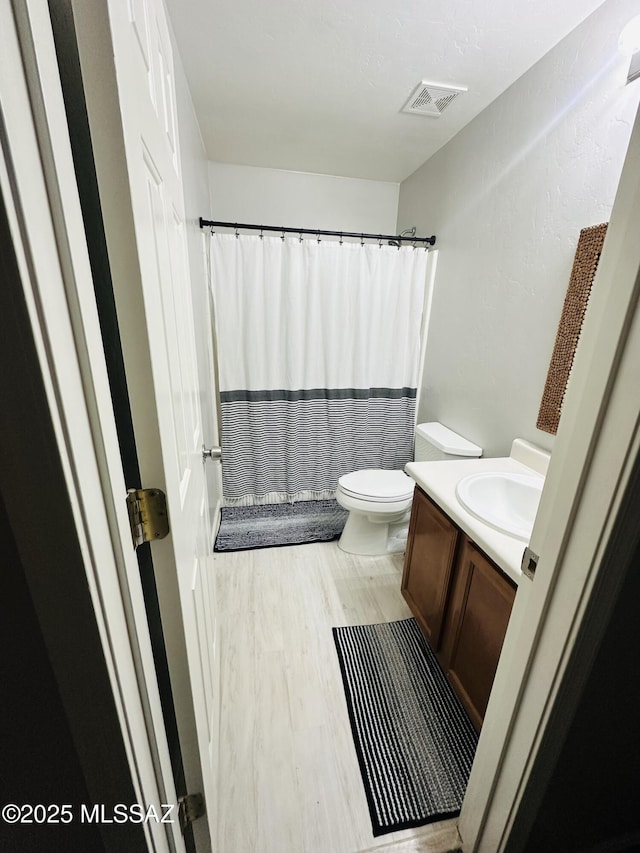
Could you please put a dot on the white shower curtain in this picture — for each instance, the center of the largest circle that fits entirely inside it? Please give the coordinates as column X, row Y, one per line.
column 318, row 358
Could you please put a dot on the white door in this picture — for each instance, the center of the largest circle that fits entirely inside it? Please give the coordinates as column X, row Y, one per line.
column 38, row 186
column 127, row 65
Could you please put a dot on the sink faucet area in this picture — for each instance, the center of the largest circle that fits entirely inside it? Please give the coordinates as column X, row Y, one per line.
column 506, row 501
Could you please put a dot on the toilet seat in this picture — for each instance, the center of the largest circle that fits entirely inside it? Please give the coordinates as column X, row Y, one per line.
column 377, row 486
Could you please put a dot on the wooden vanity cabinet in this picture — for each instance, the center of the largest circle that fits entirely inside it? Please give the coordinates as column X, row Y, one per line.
column 460, row 599
column 428, row 565
column 478, row 611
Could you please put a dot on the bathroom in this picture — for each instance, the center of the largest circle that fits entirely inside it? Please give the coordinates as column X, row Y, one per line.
column 506, row 196
column 506, row 243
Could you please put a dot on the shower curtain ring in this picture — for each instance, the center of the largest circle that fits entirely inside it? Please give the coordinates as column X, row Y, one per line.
column 261, row 234
column 380, row 243
column 283, row 235
column 300, row 236
column 341, row 238
column 237, row 235
column 362, row 239
column 318, row 236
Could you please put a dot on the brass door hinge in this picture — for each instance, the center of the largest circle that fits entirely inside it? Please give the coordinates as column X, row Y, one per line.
column 190, row 808
column 147, row 515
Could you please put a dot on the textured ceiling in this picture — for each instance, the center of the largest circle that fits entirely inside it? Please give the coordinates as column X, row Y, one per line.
column 318, row 85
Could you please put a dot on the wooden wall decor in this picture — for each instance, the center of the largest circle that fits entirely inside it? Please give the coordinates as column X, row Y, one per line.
column 575, row 305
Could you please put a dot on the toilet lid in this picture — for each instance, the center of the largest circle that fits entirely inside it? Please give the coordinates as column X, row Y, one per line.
column 374, row 484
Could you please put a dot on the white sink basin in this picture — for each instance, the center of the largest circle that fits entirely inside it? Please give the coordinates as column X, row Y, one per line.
column 507, row 502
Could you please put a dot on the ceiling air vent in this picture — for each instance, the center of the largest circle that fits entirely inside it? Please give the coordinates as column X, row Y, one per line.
column 431, row 99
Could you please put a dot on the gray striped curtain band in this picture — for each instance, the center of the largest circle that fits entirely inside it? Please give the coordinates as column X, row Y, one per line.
column 284, row 447
column 317, row 394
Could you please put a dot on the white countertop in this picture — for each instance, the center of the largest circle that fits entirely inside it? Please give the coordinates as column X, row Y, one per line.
column 439, row 480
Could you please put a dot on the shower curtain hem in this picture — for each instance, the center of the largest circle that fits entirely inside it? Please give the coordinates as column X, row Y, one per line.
column 280, row 498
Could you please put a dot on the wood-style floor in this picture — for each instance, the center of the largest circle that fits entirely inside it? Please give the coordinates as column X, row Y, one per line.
column 289, row 777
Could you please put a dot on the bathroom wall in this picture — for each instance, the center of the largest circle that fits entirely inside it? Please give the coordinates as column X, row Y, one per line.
column 507, row 198
column 276, row 197
column 196, row 199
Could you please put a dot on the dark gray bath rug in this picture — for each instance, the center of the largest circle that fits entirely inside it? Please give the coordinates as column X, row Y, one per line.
column 245, row 527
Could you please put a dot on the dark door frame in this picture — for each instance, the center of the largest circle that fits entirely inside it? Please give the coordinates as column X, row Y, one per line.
column 54, row 676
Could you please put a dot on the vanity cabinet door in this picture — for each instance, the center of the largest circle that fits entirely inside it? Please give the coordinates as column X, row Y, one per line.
column 477, row 616
column 428, row 565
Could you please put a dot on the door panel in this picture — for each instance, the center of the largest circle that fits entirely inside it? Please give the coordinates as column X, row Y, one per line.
column 428, row 565
column 140, row 24
column 154, row 302
column 479, row 611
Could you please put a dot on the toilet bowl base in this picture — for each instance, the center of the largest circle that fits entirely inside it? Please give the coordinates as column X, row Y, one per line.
column 367, row 538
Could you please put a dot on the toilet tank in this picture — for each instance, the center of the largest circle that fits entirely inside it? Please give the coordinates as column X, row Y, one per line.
column 435, row 441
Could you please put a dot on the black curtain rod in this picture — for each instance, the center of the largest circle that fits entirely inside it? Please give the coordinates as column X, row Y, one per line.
column 396, row 238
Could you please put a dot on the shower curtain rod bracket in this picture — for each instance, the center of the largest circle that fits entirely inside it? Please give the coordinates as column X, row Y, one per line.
column 396, row 239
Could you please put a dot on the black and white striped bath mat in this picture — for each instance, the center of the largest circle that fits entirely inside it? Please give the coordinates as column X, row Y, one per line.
column 414, row 741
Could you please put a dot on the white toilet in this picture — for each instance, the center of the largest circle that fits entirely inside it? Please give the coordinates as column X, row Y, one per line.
column 379, row 501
